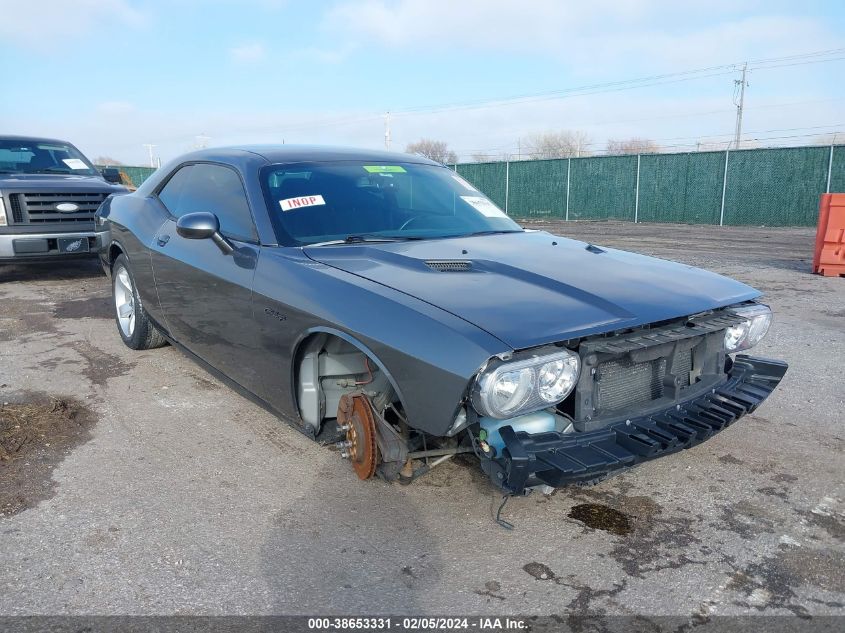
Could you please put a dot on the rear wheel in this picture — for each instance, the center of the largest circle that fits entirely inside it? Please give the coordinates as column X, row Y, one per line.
column 133, row 324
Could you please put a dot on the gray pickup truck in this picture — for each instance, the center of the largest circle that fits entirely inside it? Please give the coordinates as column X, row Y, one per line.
column 49, row 192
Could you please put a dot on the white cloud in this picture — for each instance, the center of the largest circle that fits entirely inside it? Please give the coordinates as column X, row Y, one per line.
column 654, row 34
column 249, row 52
column 51, row 23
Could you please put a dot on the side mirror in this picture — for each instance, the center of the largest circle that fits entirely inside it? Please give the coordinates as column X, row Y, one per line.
column 201, row 226
column 111, row 175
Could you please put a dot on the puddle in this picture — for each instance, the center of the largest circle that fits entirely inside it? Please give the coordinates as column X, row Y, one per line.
column 539, row 571
column 600, row 517
column 36, row 433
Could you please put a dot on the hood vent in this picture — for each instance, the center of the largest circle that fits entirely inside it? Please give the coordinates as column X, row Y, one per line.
column 450, row 265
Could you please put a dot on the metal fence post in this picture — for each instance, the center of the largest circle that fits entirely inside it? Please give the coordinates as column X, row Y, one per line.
column 829, row 168
column 724, row 188
column 507, row 183
column 637, row 193
column 568, row 169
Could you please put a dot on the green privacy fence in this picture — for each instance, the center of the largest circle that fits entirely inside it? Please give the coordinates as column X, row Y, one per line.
column 773, row 187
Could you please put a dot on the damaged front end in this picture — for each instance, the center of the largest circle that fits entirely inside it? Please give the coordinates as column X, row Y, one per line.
column 640, row 395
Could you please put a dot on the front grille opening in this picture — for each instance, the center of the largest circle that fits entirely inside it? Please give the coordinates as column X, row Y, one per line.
column 449, row 266
column 683, row 367
column 622, row 383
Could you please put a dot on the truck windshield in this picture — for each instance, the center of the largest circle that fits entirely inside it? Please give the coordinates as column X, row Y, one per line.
column 39, row 157
column 358, row 202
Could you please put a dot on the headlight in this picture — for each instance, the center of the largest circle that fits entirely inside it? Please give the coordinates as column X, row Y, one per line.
column 3, row 221
column 747, row 334
column 511, row 389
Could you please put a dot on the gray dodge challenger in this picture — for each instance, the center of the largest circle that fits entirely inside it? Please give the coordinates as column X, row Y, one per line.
column 379, row 302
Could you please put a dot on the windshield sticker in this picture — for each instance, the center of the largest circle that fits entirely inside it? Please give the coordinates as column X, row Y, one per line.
column 484, row 206
column 291, row 204
column 385, row 169
column 464, row 183
column 74, row 163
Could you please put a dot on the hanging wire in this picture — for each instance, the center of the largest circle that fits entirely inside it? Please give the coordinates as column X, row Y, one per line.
column 505, row 524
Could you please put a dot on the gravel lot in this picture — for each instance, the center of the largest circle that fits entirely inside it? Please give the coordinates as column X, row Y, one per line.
column 183, row 497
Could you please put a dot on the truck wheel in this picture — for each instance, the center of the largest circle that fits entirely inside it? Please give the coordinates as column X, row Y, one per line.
column 133, row 324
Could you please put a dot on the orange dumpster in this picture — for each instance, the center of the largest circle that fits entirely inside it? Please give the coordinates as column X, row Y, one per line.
column 829, row 256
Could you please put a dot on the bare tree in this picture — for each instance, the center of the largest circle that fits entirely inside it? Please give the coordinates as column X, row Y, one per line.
column 562, row 144
column 435, row 150
column 481, row 158
column 633, row 145
column 106, row 160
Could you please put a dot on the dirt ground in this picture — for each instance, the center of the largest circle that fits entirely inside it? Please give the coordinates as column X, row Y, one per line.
column 164, row 492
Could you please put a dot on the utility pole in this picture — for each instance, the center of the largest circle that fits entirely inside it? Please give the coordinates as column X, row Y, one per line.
column 741, row 83
column 150, row 147
column 387, row 131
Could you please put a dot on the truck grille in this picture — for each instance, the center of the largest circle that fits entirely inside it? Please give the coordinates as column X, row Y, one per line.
column 17, row 212
column 40, row 208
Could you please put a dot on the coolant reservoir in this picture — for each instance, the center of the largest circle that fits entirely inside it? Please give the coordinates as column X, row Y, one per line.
column 537, row 422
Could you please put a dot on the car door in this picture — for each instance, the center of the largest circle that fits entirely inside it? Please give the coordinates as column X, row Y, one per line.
column 206, row 295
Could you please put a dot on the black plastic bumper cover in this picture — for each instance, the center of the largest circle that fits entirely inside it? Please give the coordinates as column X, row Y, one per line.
column 558, row 459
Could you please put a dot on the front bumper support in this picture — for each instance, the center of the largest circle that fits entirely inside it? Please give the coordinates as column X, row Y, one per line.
column 557, row 459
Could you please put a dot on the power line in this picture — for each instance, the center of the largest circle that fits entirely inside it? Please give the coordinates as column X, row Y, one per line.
column 629, row 84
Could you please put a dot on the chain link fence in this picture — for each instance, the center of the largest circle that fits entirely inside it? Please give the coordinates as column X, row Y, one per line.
column 772, row 187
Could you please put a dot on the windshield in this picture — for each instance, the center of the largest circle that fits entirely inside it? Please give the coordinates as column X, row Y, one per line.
column 31, row 157
column 355, row 202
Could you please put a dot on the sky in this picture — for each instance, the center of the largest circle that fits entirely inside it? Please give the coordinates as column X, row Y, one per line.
column 482, row 75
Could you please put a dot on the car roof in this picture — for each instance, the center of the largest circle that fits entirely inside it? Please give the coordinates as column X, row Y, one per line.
column 309, row 153
column 32, row 139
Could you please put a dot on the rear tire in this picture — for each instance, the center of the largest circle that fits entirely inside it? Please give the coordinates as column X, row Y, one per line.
column 134, row 326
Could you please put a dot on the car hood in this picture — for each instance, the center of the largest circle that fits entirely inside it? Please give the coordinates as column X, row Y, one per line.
column 532, row 288
column 54, row 182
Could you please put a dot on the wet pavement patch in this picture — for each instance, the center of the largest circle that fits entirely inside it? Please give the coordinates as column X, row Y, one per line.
column 601, row 517
column 90, row 308
column 36, row 433
column 99, row 365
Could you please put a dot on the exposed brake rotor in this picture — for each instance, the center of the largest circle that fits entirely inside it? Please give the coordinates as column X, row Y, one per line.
column 355, row 416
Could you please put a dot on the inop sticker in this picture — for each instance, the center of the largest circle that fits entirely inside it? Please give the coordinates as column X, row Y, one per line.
column 484, row 206
column 385, row 169
column 74, row 163
column 290, row 204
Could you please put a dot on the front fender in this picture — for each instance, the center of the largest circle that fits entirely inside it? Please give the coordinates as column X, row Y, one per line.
column 429, row 354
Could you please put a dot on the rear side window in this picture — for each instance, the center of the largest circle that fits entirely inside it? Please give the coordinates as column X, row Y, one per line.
column 212, row 188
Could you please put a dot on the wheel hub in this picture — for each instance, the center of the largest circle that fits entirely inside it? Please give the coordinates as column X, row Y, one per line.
column 355, row 415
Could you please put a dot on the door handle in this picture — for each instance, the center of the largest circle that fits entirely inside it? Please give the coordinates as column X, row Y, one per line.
column 163, row 240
